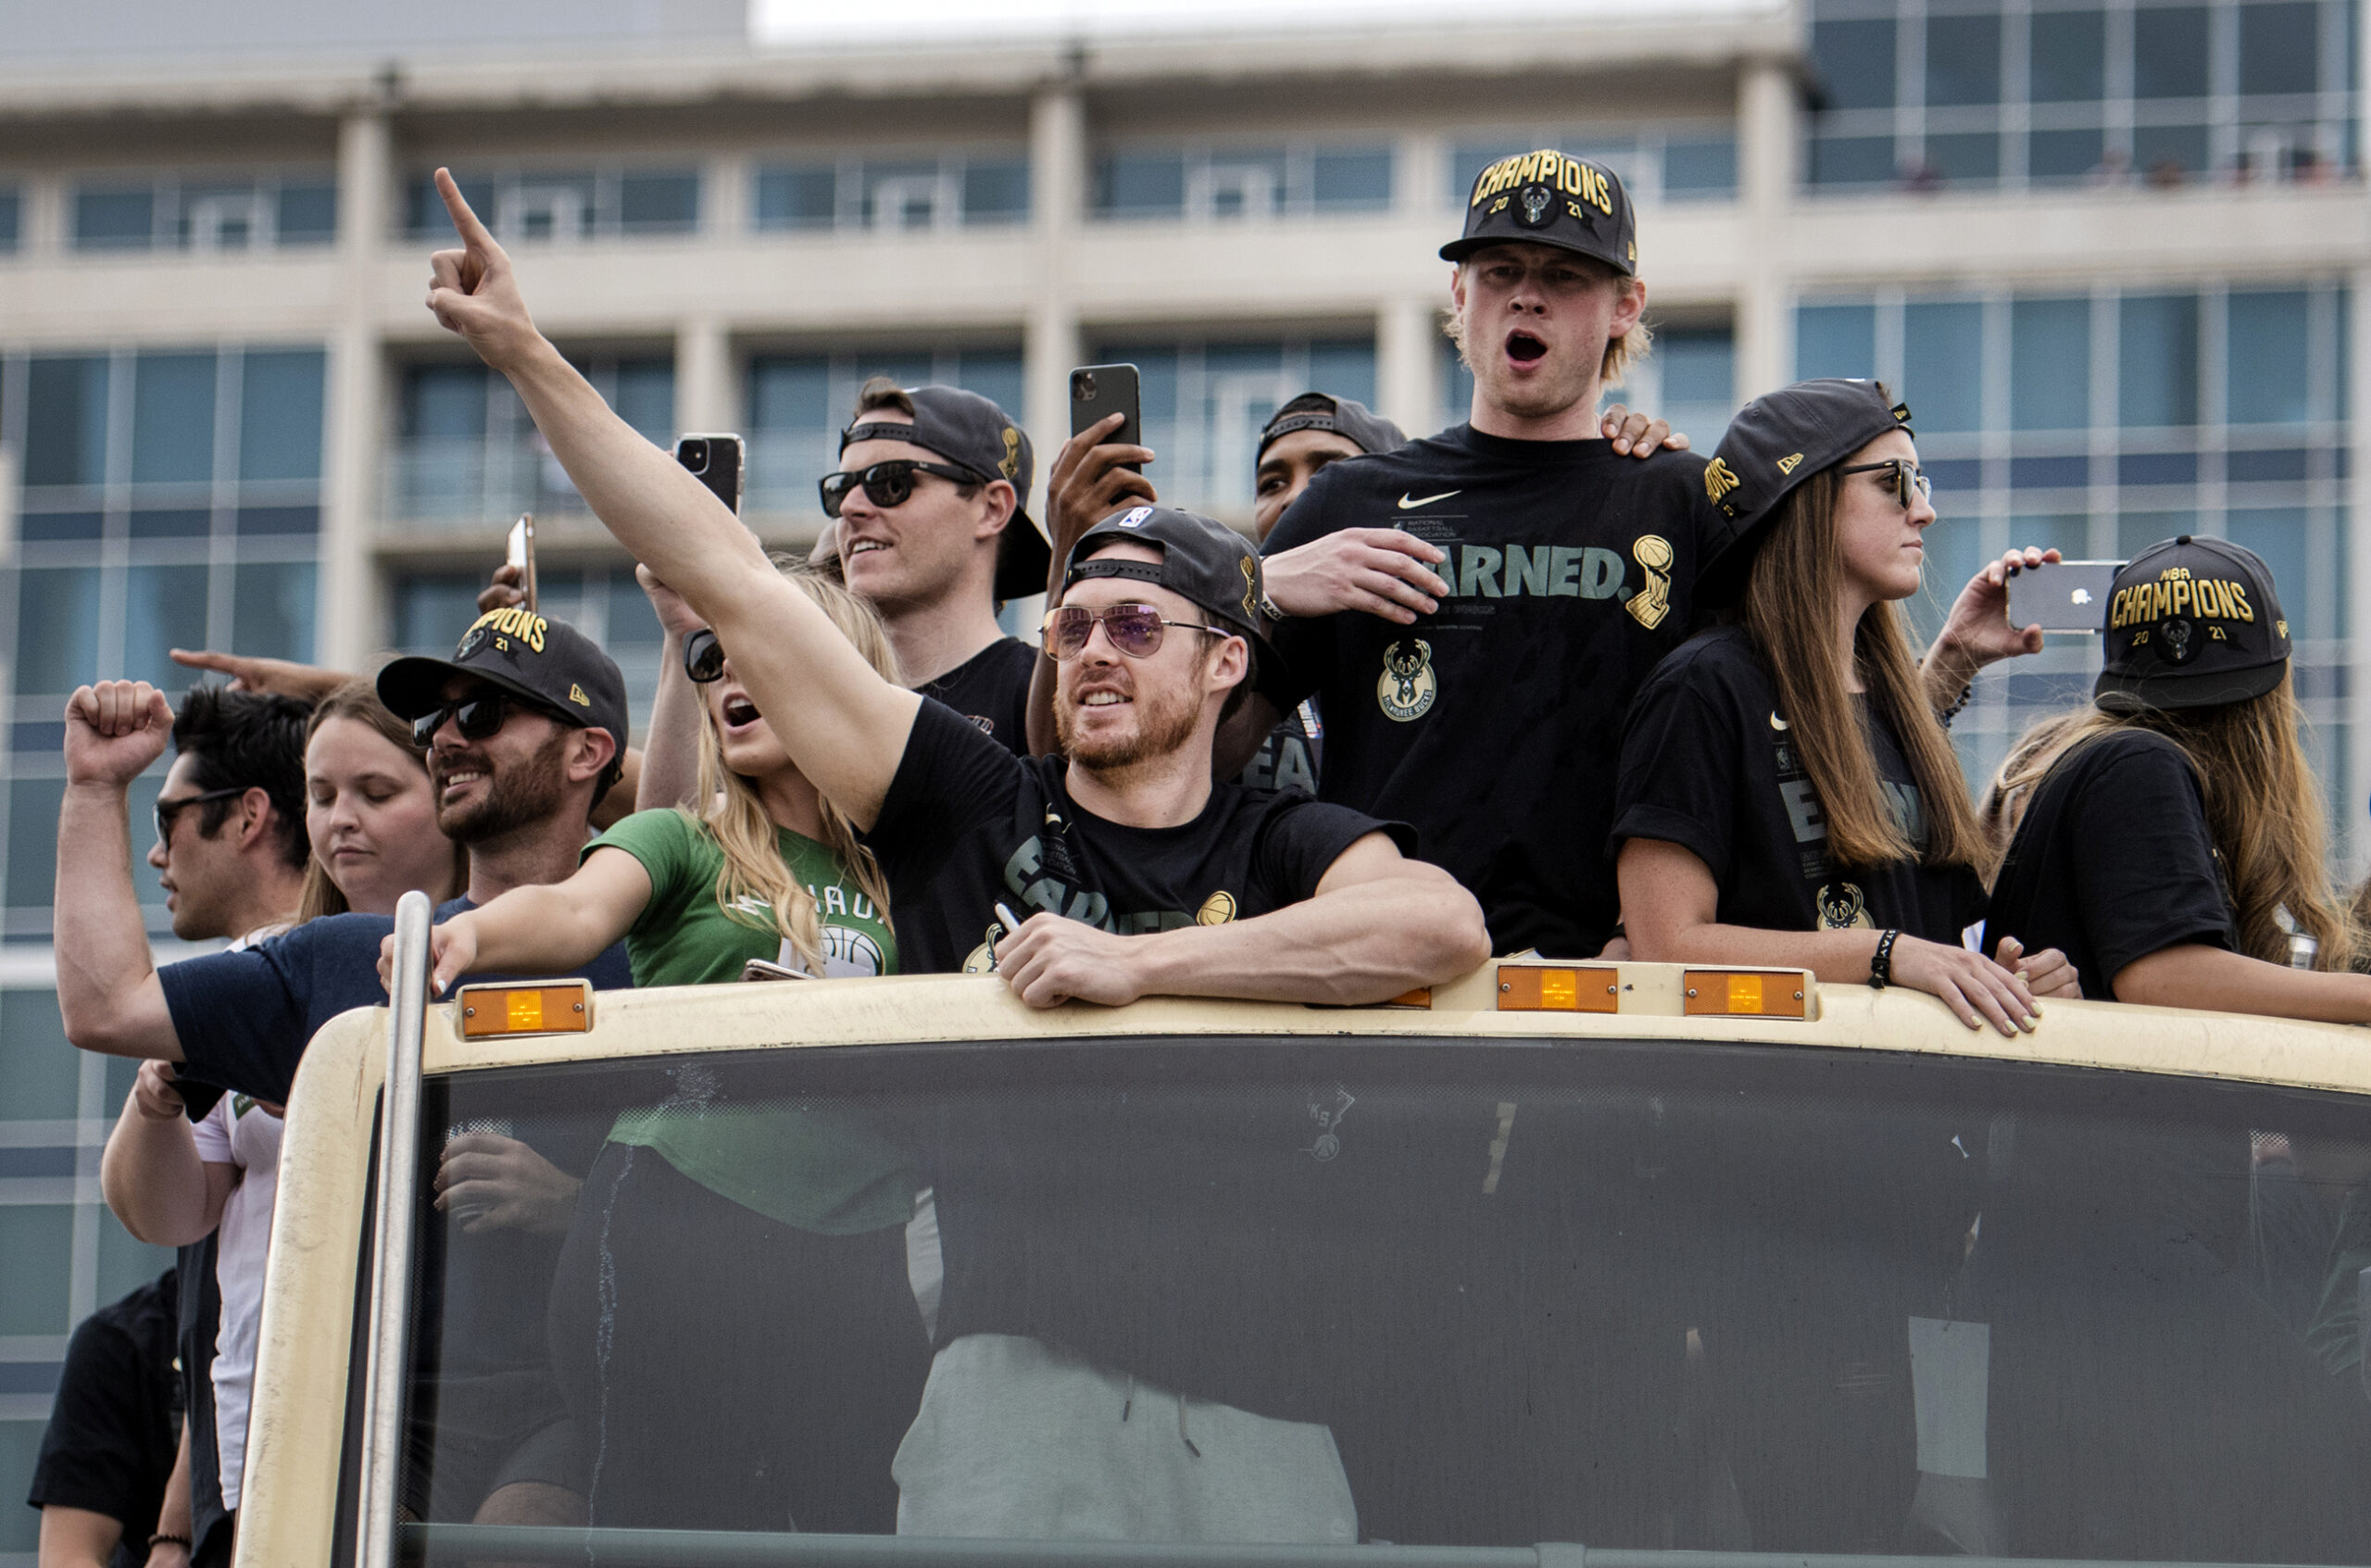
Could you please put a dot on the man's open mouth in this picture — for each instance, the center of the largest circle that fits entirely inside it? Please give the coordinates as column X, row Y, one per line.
column 1523, row 347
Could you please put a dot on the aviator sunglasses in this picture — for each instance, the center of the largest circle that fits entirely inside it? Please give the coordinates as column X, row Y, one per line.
column 886, row 484
column 1908, row 479
column 476, row 717
column 1135, row 630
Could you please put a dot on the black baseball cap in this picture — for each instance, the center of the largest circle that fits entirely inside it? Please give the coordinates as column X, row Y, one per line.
column 1776, row 443
column 2192, row 624
column 1365, row 429
column 549, row 662
column 1202, row 561
column 1551, row 198
column 971, row 432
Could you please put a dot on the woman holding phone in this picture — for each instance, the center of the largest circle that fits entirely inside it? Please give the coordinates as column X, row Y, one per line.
column 1787, row 795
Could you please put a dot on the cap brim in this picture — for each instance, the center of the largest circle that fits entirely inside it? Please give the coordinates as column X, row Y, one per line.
column 1022, row 558
column 1458, row 249
column 2172, row 693
column 415, row 685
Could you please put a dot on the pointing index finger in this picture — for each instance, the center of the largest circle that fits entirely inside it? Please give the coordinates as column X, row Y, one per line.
column 465, row 221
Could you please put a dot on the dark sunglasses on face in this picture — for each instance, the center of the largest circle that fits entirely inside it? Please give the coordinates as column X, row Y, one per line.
column 476, row 717
column 703, row 656
column 1907, row 477
column 168, row 812
column 886, row 484
column 1135, row 630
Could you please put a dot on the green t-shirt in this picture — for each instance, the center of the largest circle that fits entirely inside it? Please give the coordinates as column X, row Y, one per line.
column 815, row 1168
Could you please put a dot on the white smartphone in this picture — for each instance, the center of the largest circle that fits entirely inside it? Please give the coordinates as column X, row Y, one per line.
column 521, row 553
column 2067, row 596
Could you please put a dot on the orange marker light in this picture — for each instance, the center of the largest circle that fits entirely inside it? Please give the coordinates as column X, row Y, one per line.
column 1743, row 993
column 1542, row 988
column 488, row 1011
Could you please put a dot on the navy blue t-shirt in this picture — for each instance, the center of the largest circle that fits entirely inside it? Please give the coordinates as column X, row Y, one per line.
column 246, row 1018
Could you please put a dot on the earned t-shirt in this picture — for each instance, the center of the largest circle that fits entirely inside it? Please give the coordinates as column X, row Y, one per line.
column 2113, row 861
column 967, row 825
column 991, row 688
column 1490, row 725
column 684, row 938
column 109, row 1447
column 239, row 1133
column 1708, row 763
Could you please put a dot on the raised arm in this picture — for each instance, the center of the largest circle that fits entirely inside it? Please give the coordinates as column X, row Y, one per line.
column 108, row 991
column 1379, row 926
column 540, row 929
column 670, row 752
column 151, row 1173
column 841, row 722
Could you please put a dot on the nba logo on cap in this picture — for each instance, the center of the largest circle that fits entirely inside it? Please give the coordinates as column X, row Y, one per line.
column 1135, row 518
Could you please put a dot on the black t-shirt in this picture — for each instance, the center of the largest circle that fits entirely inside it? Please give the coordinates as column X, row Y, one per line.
column 2113, row 861
column 991, row 688
column 1290, row 754
column 1490, row 725
column 111, row 1439
column 966, row 825
column 1707, row 765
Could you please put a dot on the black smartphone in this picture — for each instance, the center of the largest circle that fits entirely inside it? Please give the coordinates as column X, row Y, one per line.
column 1099, row 390
column 2067, row 596
column 717, row 460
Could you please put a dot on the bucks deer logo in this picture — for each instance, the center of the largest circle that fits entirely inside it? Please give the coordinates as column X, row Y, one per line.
column 1841, row 908
column 1537, row 201
column 1408, row 686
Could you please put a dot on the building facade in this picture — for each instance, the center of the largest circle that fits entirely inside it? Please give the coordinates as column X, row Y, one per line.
column 2110, row 250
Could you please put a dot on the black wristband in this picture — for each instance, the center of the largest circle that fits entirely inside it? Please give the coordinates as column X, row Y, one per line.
column 180, row 1541
column 1881, row 963
column 1947, row 714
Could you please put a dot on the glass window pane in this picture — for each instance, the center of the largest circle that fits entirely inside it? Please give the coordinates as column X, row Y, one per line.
column 38, row 1241
column 172, row 419
column 788, row 393
column 432, row 612
column 2135, row 531
column 1972, row 159
column 659, row 204
column 40, row 1074
column 2281, row 47
column 1141, row 183
column 2050, row 364
column 1699, row 364
column 1351, row 179
column 2169, row 52
column 33, row 805
column 271, row 609
column 631, row 620
column 115, row 219
column 2270, row 381
column 11, row 208
column 66, row 421
column 1855, row 60
column 279, row 414
column 2064, row 154
column 1701, row 167
column 1851, row 160
column 647, row 397
column 2166, row 152
column 1943, row 353
column 308, row 213
column 996, row 377
column 443, row 402
column 125, row 1262
column 2277, row 534
column 1835, row 340
column 2157, row 361
column 1345, row 369
column 1962, row 60
column 995, row 190
column 2068, row 57
column 796, row 198
column 165, row 607
column 57, row 629
column 902, row 195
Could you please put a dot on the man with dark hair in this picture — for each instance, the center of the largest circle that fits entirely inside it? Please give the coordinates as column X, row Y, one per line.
column 239, row 783
column 109, row 1445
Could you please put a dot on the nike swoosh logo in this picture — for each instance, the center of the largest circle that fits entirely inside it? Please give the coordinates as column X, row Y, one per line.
column 1409, row 503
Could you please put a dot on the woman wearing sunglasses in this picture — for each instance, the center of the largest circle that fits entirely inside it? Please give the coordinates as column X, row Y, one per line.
column 1787, row 795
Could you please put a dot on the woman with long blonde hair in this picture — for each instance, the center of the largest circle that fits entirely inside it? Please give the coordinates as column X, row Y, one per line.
column 2171, row 838
column 1787, row 796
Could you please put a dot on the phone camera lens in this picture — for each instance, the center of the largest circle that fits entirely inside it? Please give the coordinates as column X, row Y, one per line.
column 1082, row 387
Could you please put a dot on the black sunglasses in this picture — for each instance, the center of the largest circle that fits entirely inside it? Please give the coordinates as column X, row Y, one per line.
column 168, row 812
column 887, row 485
column 703, row 656
column 477, row 717
column 1907, row 477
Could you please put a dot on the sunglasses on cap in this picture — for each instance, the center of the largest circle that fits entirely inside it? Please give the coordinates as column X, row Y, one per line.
column 477, row 717
column 168, row 812
column 886, row 483
column 703, row 656
column 1908, row 479
column 1135, row 630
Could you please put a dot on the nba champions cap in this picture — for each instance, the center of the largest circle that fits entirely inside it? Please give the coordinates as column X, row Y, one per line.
column 972, row 432
column 549, row 662
column 2192, row 624
column 1551, row 198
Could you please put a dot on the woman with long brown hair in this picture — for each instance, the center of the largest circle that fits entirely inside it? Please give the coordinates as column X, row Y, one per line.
column 2171, row 839
column 1787, row 795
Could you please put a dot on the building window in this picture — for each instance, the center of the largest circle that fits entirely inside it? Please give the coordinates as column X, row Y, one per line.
column 1654, row 163
column 12, row 207
column 1215, row 181
column 948, row 190
column 2102, row 422
column 206, row 212
column 1933, row 96
column 564, row 205
column 799, row 403
column 467, row 455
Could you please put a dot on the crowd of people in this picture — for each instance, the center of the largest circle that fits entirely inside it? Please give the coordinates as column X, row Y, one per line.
column 1548, row 681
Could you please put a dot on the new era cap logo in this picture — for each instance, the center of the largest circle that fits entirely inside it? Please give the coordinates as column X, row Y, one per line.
column 1786, row 465
column 576, row 694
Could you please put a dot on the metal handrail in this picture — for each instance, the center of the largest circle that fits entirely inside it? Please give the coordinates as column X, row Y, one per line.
column 382, row 1407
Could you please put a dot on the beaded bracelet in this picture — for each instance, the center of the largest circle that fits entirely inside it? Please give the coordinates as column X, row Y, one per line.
column 1881, row 963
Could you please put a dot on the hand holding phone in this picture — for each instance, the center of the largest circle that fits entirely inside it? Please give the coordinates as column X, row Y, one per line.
column 1099, row 390
column 521, row 555
column 2067, row 596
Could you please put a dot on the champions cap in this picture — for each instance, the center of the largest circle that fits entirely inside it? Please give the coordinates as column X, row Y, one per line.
column 2192, row 624
column 1776, row 443
column 972, row 432
column 549, row 662
column 1202, row 561
column 1365, row 429
column 1549, row 198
